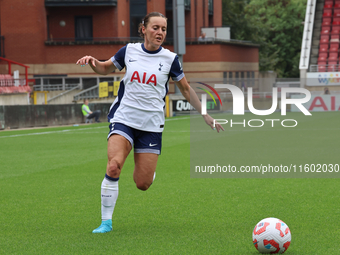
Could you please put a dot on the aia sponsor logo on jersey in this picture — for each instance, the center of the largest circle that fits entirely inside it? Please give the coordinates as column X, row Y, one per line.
column 144, row 78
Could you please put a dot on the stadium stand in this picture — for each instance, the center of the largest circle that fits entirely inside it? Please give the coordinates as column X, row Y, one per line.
column 328, row 50
column 10, row 85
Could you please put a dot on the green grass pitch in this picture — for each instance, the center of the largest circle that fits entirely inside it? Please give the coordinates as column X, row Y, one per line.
column 50, row 192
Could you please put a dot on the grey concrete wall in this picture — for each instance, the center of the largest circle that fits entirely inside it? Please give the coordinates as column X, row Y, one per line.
column 15, row 99
column 62, row 99
column 25, row 116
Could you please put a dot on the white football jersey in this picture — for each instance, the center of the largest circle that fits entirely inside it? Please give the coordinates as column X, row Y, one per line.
column 141, row 96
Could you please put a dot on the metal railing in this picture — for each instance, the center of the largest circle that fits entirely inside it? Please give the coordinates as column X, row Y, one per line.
column 52, row 83
column 93, row 92
column 90, row 93
column 324, row 68
column 93, row 40
column 63, row 94
column 12, row 82
column 56, row 83
column 53, row 3
column 125, row 40
column 97, row 39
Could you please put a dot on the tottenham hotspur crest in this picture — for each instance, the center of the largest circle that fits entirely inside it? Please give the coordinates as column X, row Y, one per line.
column 160, row 66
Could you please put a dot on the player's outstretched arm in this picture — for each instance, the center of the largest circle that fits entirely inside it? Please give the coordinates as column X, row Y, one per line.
column 191, row 96
column 99, row 67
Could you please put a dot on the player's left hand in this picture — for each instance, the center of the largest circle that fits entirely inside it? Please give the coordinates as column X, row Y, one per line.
column 86, row 60
column 210, row 121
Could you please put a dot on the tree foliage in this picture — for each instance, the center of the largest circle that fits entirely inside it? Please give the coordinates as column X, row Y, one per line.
column 233, row 15
column 276, row 25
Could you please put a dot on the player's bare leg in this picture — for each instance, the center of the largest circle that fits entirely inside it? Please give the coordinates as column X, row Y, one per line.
column 118, row 148
column 145, row 167
column 117, row 151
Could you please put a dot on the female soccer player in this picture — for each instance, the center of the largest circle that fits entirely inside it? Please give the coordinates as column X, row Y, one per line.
column 137, row 116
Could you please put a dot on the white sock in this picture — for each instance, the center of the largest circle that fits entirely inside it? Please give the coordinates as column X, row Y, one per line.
column 109, row 193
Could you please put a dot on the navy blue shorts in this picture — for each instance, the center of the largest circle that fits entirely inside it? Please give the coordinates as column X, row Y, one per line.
column 141, row 141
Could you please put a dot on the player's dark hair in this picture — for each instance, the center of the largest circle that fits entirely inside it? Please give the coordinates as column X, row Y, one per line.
column 146, row 20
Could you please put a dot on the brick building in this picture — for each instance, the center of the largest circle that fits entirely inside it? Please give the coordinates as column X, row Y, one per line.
column 50, row 35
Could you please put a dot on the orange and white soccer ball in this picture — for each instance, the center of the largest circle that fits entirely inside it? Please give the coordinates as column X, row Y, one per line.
column 271, row 235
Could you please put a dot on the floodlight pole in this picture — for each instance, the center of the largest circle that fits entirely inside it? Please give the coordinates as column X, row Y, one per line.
column 179, row 31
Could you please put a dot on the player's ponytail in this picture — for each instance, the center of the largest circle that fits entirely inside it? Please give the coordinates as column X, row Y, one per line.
column 146, row 20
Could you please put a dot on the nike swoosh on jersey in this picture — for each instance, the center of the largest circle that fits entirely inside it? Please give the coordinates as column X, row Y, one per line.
column 151, row 145
column 132, row 60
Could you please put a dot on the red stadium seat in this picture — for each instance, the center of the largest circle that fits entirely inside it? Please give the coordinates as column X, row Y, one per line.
column 2, row 80
column 332, row 66
column 9, row 80
column 324, row 39
column 328, row 6
column 24, row 89
column 322, row 57
column 21, row 89
column 323, row 48
column 336, row 21
column 333, row 57
column 6, row 90
column 325, row 30
column 14, row 89
column 322, row 67
column 337, row 5
column 334, row 47
column 335, row 30
column 327, row 13
column 335, row 39
column 336, row 12
column 326, row 21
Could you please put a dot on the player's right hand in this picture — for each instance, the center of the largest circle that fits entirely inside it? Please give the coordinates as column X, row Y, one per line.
column 212, row 123
column 86, row 60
